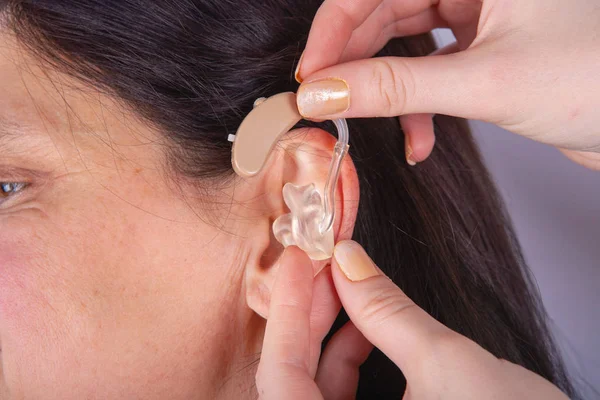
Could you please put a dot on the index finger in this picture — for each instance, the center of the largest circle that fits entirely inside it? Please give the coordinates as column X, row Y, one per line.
column 334, row 24
column 283, row 371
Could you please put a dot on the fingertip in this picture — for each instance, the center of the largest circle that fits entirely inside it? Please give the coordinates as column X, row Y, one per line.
column 422, row 145
column 295, row 276
column 297, row 74
column 323, row 98
column 293, row 254
column 408, row 151
column 353, row 261
column 419, row 137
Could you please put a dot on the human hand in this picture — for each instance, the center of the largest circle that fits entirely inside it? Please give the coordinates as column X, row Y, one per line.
column 531, row 67
column 301, row 312
column 436, row 361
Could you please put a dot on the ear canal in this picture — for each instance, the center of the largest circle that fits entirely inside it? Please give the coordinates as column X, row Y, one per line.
column 301, row 226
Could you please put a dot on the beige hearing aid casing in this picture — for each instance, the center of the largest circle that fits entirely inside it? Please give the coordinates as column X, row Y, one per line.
column 260, row 131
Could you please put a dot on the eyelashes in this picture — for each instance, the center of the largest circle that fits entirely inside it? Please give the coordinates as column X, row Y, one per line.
column 15, row 181
column 10, row 189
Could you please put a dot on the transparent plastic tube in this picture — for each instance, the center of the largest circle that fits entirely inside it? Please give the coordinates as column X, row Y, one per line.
column 339, row 152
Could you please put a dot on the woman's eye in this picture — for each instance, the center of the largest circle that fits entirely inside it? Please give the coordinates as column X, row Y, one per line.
column 8, row 189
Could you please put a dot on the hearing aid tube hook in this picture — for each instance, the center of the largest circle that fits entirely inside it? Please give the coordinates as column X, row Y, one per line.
column 339, row 152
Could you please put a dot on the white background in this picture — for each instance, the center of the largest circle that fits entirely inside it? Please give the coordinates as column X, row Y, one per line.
column 555, row 207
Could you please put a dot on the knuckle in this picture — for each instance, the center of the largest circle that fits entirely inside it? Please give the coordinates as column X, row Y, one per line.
column 449, row 344
column 393, row 85
column 446, row 349
column 386, row 305
column 293, row 365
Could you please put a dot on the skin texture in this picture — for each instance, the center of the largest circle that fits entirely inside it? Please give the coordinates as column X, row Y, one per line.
column 513, row 65
column 119, row 279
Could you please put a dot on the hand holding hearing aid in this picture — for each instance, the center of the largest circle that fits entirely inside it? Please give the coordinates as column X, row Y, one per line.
column 436, row 361
column 531, row 67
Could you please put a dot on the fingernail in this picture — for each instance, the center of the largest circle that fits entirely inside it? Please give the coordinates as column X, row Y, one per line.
column 409, row 159
column 323, row 97
column 354, row 261
column 297, row 73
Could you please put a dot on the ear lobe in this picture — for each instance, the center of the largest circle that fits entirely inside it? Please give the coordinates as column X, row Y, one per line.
column 302, row 157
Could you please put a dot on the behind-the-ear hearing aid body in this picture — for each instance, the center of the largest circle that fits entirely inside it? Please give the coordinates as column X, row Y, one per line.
column 309, row 225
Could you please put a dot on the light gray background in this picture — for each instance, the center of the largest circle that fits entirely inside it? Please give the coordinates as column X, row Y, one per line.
column 555, row 207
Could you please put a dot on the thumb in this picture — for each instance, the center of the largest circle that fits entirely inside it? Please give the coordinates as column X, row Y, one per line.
column 450, row 84
column 382, row 312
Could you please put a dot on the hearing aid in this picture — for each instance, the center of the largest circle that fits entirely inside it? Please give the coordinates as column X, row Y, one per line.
column 309, row 224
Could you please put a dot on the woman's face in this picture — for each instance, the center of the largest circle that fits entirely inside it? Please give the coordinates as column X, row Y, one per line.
column 111, row 284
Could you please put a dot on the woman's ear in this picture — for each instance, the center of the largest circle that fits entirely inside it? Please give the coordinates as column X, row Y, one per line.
column 301, row 158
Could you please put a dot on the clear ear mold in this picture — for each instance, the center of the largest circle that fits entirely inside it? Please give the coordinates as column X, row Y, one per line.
column 302, row 225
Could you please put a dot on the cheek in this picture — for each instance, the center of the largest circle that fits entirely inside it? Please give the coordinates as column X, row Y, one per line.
column 19, row 277
column 78, row 289
column 22, row 309
column 102, row 296
column 38, row 319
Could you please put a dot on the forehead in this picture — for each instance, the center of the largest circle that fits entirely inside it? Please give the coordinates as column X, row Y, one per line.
column 20, row 114
column 40, row 104
column 27, row 98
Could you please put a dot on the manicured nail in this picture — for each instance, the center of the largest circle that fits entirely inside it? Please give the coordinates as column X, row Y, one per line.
column 354, row 261
column 323, row 97
column 297, row 73
column 409, row 153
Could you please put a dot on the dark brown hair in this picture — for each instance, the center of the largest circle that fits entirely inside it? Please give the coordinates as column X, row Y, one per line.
column 439, row 229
